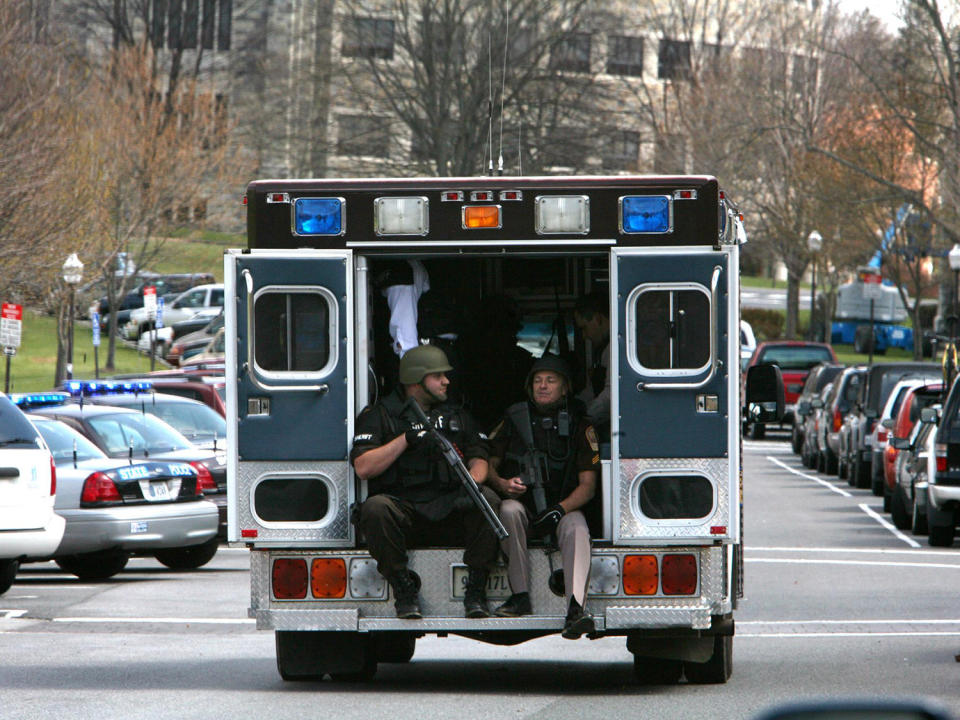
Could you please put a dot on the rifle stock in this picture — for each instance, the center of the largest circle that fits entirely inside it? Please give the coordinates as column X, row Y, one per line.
column 456, row 462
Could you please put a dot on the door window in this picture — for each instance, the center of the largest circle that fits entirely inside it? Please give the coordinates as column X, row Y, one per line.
column 295, row 331
column 669, row 329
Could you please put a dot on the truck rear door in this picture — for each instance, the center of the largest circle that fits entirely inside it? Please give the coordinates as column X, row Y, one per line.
column 675, row 445
column 289, row 395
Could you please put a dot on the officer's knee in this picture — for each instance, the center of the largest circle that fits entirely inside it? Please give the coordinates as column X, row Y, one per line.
column 512, row 512
column 376, row 509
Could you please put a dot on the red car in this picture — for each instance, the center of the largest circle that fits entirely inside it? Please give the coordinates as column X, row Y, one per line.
column 914, row 400
column 794, row 358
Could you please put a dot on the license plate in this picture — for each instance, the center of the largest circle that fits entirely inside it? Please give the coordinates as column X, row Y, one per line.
column 498, row 587
column 138, row 527
column 155, row 491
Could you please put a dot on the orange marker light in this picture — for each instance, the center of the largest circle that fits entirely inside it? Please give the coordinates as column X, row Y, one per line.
column 679, row 574
column 328, row 578
column 640, row 575
column 481, row 216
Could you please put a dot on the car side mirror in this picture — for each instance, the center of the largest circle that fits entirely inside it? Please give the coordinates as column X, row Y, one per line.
column 803, row 408
column 765, row 395
column 899, row 443
column 816, row 403
column 928, row 415
column 887, row 423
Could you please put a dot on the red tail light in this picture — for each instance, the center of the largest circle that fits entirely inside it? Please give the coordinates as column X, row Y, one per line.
column 837, row 421
column 98, row 488
column 289, row 578
column 941, row 450
column 53, row 477
column 881, row 435
column 678, row 575
column 205, row 482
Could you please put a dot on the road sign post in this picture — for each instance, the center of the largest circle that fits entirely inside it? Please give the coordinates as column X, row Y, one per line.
column 11, row 321
column 95, row 328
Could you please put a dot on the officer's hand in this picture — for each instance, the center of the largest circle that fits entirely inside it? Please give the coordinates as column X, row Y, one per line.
column 546, row 522
column 513, row 487
column 415, row 437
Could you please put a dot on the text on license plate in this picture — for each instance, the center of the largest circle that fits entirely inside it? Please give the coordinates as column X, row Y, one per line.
column 497, row 584
column 155, row 491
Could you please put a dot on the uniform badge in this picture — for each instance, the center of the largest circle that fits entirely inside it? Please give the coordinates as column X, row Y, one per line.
column 592, row 439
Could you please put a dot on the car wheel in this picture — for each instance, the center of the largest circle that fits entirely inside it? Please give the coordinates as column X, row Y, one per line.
column 877, row 483
column 887, row 499
column 718, row 668
column 757, row 431
column 830, row 462
column 8, row 573
column 94, row 566
column 898, row 509
column 190, row 557
column 394, row 647
column 918, row 520
column 656, row 671
column 796, row 441
column 862, row 472
column 940, row 535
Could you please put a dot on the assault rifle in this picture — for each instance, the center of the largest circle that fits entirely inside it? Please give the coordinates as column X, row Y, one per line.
column 533, row 473
column 456, row 462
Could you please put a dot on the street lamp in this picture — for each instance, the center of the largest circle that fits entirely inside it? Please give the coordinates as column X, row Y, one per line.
column 814, row 243
column 72, row 276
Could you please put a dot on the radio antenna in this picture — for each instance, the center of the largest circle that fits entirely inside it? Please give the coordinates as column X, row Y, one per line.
column 503, row 90
column 520, row 146
column 490, row 102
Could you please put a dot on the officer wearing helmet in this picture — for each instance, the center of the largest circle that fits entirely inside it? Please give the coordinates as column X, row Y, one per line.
column 550, row 432
column 414, row 496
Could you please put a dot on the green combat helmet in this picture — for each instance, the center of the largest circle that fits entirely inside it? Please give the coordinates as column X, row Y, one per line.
column 420, row 361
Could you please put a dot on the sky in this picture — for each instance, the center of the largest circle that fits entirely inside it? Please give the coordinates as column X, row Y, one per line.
column 886, row 10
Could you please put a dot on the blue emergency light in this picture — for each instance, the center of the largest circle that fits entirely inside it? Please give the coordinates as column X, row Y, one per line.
column 86, row 388
column 646, row 214
column 32, row 400
column 319, row 216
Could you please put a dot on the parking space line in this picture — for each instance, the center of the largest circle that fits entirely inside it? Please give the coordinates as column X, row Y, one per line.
column 858, row 563
column 872, row 551
column 889, row 526
column 158, row 620
column 830, row 486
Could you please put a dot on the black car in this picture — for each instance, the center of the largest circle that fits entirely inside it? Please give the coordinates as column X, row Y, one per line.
column 164, row 284
column 819, row 376
column 881, row 378
column 124, row 432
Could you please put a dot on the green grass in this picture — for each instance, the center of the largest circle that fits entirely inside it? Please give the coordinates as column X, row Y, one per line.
column 33, row 367
column 194, row 256
column 762, row 282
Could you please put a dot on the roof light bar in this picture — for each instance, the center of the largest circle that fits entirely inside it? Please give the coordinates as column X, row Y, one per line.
column 86, row 388
column 31, row 400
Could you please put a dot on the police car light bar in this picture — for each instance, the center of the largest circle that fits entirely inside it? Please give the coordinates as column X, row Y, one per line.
column 32, row 400
column 646, row 214
column 86, row 388
column 319, row 216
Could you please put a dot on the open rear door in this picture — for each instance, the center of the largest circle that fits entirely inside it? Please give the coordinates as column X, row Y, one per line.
column 675, row 458
column 290, row 394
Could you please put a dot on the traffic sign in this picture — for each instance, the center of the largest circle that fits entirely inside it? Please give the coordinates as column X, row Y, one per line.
column 159, row 322
column 11, row 317
column 95, row 325
column 150, row 299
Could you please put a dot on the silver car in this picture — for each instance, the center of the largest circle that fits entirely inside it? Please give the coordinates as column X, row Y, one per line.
column 115, row 508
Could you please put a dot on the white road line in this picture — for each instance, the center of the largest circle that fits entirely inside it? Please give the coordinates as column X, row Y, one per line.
column 779, row 636
column 826, row 484
column 12, row 613
column 158, row 620
column 892, row 528
column 809, row 561
column 741, row 623
column 876, row 551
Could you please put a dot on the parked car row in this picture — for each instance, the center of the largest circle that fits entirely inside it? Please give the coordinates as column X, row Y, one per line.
column 98, row 471
column 887, row 428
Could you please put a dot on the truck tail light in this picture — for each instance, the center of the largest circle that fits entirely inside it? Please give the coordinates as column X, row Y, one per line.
column 328, row 578
column 941, row 450
column 289, row 578
column 640, row 576
column 53, row 477
column 679, row 574
column 97, row 489
column 837, row 420
column 205, row 481
column 881, row 436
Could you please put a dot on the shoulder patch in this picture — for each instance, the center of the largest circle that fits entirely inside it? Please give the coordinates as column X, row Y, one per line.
column 592, row 438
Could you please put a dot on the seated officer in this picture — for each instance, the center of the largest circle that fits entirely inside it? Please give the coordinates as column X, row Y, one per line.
column 415, row 496
column 550, row 431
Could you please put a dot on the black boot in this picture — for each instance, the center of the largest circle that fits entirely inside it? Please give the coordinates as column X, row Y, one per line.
column 475, row 595
column 578, row 621
column 516, row 605
column 405, row 598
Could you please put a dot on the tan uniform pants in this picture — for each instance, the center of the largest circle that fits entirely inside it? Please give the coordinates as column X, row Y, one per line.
column 573, row 537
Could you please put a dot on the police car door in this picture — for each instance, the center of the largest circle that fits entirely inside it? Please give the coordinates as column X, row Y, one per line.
column 675, row 393
column 290, row 395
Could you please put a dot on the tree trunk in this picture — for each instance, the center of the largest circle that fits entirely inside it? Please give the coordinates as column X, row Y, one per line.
column 793, row 306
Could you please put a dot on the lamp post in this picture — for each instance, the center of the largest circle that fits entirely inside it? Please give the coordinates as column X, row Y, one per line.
column 814, row 243
column 72, row 276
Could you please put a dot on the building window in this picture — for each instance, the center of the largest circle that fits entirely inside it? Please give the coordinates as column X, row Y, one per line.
column 225, row 22
column 625, row 55
column 363, row 135
column 181, row 24
column 621, row 150
column 565, row 147
column 208, row 24
column 673, row 60
column 367, row 38
column 571, row 53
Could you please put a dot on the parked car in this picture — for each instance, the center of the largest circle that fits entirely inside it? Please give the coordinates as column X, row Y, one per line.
column 812, row 448
column 28, row 486
column 203, row 300
column 213, row 353
column 795, row 358
column 211, row 390
column 193, row 343
column 114, row 508
column 819, row 376
column 878, row 383
column 165, row 285
column 908, row 502
column 903, row 408
column 836, row 405
column 748, row 343
column 126, row 433
column 943, row 491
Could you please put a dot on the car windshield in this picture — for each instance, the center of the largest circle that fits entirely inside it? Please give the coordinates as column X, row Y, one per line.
column 196, row 422
column 795, row 357
column 15, row 429
column 145, row 433
column 62, row 440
